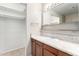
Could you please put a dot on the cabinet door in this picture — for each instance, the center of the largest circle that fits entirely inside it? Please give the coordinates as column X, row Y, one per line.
column 47, row 53
column 50, row 50
column 33, row 47
column 38, row 50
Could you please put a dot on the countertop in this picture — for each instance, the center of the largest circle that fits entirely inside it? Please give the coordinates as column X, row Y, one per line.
column 68, row 47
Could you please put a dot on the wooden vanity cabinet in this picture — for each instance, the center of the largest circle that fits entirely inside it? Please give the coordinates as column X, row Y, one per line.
column 41, row 49
column 36, row 47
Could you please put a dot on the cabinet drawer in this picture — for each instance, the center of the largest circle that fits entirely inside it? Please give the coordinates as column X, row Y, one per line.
column 51, row 49
column 39, row 43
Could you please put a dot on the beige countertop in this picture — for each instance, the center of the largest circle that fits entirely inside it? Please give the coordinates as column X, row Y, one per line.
column 68, row 47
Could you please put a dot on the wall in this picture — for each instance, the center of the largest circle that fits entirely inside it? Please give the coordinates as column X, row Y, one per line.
column 35, row 18
column 12, row 34
column 71, row 18
column 33, row 23
column 12, row 27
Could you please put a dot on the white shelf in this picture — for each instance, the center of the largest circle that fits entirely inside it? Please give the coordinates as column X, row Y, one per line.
column 11, row 12
column 13, row 17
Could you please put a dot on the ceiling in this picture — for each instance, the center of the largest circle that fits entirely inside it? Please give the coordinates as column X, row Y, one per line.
column 65, row 8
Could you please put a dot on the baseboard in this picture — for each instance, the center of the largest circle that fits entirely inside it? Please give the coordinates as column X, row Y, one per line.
column 12, row 50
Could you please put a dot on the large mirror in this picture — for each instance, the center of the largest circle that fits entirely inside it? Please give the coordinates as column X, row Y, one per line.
column 58, row 13
column 61, row 20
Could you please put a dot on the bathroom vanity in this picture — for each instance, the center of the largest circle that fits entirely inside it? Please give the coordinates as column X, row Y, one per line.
column 47, row 46
column 59, row 33
column 42, row 49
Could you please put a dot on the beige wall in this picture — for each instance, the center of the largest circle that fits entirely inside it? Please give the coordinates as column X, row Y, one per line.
column 33, row 23
column 71, row 18
column 35, row 17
